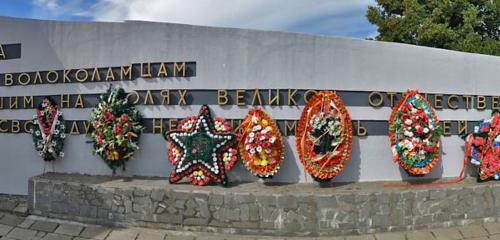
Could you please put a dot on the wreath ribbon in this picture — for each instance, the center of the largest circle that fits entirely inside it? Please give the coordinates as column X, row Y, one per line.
column 316, row 103
column 47, row 139
column 52, row 127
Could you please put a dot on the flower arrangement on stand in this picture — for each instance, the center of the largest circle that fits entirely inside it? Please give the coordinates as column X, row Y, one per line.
column 482, row 147
column 115, row 128
column 48, row 130
column 324, row 136
column 260, row 144
column 414, row 132
column 202, row 149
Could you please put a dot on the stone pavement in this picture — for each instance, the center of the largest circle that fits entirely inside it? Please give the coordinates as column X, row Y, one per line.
column 14, row 224
column 31, row 227
column 13, row 204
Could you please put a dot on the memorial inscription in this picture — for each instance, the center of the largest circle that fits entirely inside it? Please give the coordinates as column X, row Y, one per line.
column 222, row 97
column 10, row 51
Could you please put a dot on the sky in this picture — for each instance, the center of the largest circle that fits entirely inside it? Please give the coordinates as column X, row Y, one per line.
column 326, row 17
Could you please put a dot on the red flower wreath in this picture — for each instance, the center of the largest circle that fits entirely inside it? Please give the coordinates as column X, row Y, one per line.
column 414, row 133
column 482, row 147
column 324, row 136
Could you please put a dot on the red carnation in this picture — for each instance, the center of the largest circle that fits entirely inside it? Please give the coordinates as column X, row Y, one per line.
column 421, row 114
column 420, row 130
column 405, row 107
column 485, row 128
column 496, row 120
column 117, row 129
column 123, row 118
column 109, row 116
column 478, row 141
column 497, row 150
column 429, row 148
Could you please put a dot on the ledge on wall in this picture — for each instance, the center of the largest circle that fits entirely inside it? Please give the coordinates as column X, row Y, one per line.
column 255, row 208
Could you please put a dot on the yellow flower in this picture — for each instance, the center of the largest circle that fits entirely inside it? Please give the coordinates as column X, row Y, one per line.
column 264, row 162
column 113, row 156
column 265, row 122
column 198, row 173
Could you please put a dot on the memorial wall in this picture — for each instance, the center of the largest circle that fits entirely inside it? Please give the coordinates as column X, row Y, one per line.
column 170, row 70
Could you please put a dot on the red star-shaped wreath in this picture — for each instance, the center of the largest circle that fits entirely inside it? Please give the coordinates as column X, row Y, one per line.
column 202, row 148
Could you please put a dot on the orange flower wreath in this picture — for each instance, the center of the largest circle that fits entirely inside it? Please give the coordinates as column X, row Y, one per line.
column 260, row 144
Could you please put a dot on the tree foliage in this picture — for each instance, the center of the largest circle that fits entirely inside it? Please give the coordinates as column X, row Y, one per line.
column 463, row 25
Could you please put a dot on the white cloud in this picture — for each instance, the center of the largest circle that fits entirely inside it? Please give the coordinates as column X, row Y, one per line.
column 60, row 9
column 50, row 5
column 338, row 17
column 245, row 13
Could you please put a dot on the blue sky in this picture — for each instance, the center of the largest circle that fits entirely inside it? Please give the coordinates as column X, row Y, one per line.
column 326, row 17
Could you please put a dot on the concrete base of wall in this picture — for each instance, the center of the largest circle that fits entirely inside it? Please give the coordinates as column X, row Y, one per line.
column 256, row 208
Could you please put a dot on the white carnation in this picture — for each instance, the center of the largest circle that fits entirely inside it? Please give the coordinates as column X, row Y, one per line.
column 408, row 134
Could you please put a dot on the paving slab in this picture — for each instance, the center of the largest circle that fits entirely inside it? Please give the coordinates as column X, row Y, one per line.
column 362, row 237
column 8, row 205
column 69, row 229
column 21, row 209
column 39, row 235
column 447, row 234
column 178, row 238
column 11, row 220
column 494, row 237
column 26, row 223
column 390, row 236
column 419, row 235
column 22, row 234
column 95, row 232
column 4, row 229
column 473, row 231
column 492, row 228
column 55, row 236
column 247, row 237
column 477, row 238
column 151, row 234
column 219, row 237
column 123, row 234
column 329, row 238
column 44, row 226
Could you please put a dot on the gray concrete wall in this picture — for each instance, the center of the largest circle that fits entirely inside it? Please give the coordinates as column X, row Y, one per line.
column 233, row 59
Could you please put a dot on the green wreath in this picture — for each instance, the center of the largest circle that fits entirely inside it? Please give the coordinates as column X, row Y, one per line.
column 115, row 128
column 48, row 130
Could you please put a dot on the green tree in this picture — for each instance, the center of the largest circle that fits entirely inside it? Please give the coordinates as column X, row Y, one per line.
column 463, row 25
